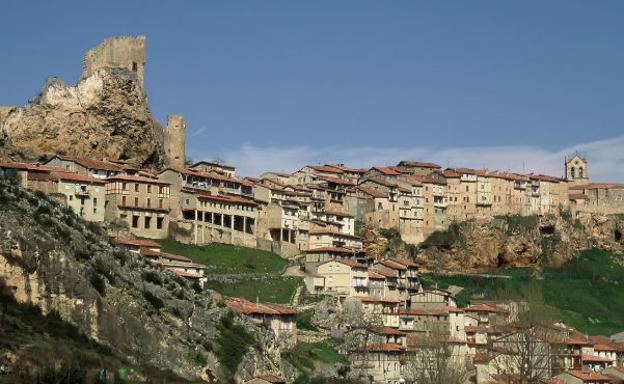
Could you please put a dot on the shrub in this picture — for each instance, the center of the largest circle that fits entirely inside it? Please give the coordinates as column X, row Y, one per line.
column 517, row 223
column 98, row 283
column 152, row 277
column 233, row 343
column 82, row 254
column 445, row 239
column 154, row 300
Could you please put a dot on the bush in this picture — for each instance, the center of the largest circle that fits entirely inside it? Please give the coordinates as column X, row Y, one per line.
column 152, row 277
column 233, row 343
column 98, row 283
column 154, row 300
column 82, row 254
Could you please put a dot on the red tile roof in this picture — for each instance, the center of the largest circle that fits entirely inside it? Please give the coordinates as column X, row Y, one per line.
column 372, row 192
column 404, row 261
column 337, row 213
column 485, row 308
column 135, row 242
column 589, row 376
column 391, row 274
column 246, row 307
column 326, row 168
column 393, row 265
column 375, row 275
column 333, row 250
column 350, row 263
column 72, row 176
column 192, row 275
column 334, row 233
column 595, row 359
column 138, row 179
column 388, row 171
column 150, row 253
column 372, row 299
column 92, row 164
column 435, row 311
column 384, row 347
column 232, row 199
column 420, row 164
column 32, row 167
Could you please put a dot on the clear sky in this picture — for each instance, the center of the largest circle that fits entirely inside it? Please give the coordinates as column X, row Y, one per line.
column 278, row 83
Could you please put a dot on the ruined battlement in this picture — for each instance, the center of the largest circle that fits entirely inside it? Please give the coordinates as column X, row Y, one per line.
column 174, row 140
column 126, row 52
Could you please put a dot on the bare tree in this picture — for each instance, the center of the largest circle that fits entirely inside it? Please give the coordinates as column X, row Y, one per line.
column 528, row 350
column 435, row 359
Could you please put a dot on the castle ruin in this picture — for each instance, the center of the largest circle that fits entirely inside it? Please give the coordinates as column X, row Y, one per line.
column 126, row 52
column 175, row 141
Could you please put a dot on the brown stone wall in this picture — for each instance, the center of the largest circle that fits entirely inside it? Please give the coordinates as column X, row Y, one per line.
column 126, row 52
column 175, row 141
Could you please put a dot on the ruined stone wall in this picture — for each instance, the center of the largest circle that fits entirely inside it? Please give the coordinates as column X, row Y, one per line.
column 175, row 141
column 4, row 112
column 117, row 52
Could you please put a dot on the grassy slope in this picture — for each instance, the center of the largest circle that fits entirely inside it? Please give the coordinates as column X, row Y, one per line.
column 229, row 259
column 588, row 292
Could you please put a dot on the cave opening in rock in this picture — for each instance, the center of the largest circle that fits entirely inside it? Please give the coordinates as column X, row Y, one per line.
column 618, row 235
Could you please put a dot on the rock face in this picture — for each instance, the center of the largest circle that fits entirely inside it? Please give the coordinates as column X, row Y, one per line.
column 512, row 241
column 51, row 259
column 103, row 116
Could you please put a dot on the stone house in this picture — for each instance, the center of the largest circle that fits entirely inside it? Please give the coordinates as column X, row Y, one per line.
column 406, row 272
column 382, row 311
column 382, row 362
column 339, row 277
column 432, row 298
column 228, row 219
column 330, row 238
column 315, row 257
column 143, row 203
column 82, row 193
column 94, row 168
column 216, row 167
column 279, row 318
column 419, row 167
column 136, row 245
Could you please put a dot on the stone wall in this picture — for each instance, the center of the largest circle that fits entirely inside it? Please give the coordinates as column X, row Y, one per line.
column 175, row 141
column 117, row 52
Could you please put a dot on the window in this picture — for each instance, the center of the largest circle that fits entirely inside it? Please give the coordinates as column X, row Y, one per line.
column 136, row 187
column 149, row 188
column 136, row 201
column 148, row 221
column 124, row 186
column 572, row 172
column 123, row 200
column 580, row 172
column 160, row 203
column 135, row 221
column 159, row 222
column 149, row 203
column 135, row 67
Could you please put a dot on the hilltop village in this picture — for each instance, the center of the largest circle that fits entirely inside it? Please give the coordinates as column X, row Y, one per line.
column 314, row 213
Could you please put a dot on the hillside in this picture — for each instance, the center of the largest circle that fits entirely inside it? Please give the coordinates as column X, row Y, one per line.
column 503, row 241
column 586, row 292
column 237, row 271
column 59, row 265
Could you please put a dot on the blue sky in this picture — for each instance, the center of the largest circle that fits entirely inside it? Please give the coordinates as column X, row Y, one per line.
column 279, row 83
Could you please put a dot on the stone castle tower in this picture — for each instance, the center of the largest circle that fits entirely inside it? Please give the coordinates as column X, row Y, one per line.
column 117, row 52
column 175, row 141
column 576, row 170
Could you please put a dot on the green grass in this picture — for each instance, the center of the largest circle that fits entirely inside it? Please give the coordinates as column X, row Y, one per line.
column 227, row 259
column 233, row 343
column 587, row 292
column 304, row 355
column 278, row 290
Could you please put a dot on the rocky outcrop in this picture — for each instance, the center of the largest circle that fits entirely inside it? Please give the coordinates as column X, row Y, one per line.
column 53, row 260
column 104, row 116
column 506, row 241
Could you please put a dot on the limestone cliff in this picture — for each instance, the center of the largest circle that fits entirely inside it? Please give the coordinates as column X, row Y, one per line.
column 479, row 245
column 103, row 116
column 53, row 260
